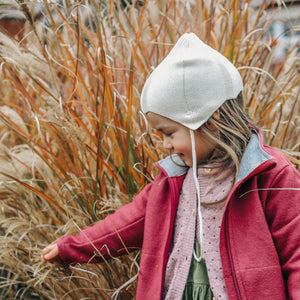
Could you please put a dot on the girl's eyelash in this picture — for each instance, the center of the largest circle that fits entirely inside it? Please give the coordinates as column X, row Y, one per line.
column 168, row 134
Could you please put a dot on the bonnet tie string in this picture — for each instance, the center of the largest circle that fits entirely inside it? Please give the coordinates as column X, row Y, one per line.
column 195, row 175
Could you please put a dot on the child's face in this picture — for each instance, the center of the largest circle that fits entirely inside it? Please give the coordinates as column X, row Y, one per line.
column 177, row 139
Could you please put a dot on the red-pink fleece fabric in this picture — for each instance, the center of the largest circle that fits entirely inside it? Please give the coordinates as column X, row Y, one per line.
column 259, row 238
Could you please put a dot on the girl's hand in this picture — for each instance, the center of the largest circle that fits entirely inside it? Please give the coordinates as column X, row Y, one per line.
column 50, row 253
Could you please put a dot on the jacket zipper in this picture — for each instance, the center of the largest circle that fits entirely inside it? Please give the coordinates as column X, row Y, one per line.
column 228, row 248
column 173, row 187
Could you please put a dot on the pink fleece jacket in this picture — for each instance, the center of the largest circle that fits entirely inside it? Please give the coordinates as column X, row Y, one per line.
column 259, row 238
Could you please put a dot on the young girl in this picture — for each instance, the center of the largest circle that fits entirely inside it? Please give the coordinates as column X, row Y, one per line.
column 222, row 219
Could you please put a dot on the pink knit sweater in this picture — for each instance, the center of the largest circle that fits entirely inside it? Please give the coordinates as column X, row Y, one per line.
column 186, row 226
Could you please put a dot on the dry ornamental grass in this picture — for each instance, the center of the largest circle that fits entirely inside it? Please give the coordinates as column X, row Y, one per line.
column 73, row 146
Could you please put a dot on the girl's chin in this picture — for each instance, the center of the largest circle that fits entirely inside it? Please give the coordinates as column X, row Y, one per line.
column 187, row 162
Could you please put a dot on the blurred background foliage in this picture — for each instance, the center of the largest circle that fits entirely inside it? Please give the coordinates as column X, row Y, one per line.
column 73, row 145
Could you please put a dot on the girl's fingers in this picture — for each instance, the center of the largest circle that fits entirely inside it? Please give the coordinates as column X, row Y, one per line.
column 50, row 253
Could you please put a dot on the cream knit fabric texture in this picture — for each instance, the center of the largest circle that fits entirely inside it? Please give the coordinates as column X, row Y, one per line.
column 191, row 83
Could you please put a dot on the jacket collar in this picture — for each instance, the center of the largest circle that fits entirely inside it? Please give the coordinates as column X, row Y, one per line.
column 173, row 166
column 253, row 157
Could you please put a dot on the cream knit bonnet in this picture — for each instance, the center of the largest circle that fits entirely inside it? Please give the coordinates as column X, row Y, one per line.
column 188, row 86
column 191, row 83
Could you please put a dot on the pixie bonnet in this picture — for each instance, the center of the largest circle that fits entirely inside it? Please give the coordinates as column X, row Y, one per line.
column 191, row 83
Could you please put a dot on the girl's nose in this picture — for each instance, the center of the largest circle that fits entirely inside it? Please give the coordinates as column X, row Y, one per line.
column 166, row 144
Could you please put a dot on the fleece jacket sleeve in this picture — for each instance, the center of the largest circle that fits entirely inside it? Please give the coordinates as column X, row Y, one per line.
column 119, row 233
column 283, row 214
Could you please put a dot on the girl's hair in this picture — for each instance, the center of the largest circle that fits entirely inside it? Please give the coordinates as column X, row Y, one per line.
column 231, row 130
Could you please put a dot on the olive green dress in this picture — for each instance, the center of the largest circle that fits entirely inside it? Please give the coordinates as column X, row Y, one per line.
column 197, row 286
